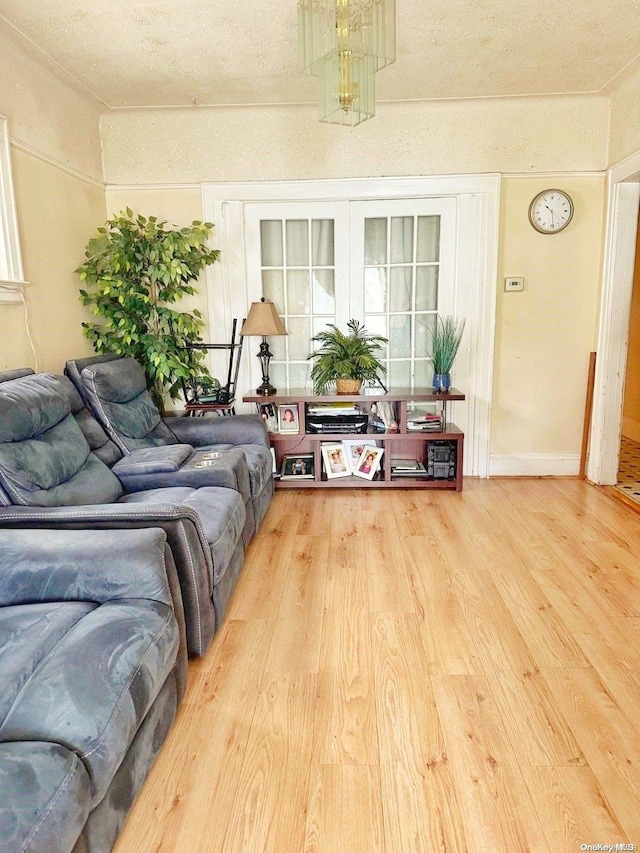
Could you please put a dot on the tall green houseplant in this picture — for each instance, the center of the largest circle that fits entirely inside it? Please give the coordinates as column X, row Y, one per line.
column 136, row 269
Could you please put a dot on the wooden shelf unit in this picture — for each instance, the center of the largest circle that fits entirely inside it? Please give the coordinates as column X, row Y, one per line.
column 400, row 444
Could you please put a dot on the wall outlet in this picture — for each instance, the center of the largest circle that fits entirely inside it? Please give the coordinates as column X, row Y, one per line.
column 513, row 284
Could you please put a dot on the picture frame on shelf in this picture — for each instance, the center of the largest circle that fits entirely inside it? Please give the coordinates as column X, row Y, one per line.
column 354, row 448
column 288, row 418
column 336, row 463
column 297, row 466
column 369, row 462
column 269, row 415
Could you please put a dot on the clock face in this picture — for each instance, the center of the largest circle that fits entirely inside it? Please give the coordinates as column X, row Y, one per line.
column 550, row 211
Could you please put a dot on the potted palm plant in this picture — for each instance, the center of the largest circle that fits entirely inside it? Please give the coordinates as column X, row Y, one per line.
column 445, row 342
column 346, row 360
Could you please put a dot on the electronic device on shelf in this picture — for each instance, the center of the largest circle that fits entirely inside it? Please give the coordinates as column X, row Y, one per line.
column 441, row 460
column 356, row 423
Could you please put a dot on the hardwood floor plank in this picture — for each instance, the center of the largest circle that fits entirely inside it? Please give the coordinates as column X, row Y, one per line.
column 297, row 631
column 496, row 811
column 572, row 809
column 389, row 589
column 270, row 802
column 345, row 727
column 345, row 809
column 257, row 594
column 419, row 799
column 449, row 645
column 610, row 741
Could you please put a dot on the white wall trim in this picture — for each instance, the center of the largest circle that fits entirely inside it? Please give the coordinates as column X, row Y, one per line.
column 58, row 164
column 354, row 188
column 534, row 465
column 613, row 333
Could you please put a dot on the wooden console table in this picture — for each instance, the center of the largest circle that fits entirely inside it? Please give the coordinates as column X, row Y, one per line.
column 429, row 448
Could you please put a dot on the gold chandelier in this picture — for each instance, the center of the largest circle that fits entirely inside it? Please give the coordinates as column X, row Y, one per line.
column 344, row 43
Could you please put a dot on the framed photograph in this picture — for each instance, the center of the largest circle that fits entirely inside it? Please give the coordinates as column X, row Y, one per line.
column 369, row 462
column 269, row 415
column 336, row 464
column 354, row 448
column 297, row 467
column 288, row 418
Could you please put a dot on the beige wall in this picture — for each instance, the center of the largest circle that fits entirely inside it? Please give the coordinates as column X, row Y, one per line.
column 179, row 206
column 57, row 171
column 625, row 119
column 270, row 143
column 544, row 335
column 48, row 114
column 57, row 213
column 631, row 408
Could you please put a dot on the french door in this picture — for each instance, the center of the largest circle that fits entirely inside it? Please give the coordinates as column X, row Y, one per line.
column 389, row 264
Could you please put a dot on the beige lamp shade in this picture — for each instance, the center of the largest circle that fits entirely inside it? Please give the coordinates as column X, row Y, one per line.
column 263, row 320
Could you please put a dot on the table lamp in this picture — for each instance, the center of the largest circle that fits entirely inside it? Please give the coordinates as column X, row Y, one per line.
column 262, row 320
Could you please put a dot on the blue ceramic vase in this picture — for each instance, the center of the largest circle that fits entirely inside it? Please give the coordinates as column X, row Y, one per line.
column 441, row 381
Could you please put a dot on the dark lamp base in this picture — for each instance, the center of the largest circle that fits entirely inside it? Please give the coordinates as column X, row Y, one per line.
column 266, row 390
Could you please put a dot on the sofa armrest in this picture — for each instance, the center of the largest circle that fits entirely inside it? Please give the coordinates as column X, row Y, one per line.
column 163, row 459
column 83, row 565
column 185, row 535
column 236, row 429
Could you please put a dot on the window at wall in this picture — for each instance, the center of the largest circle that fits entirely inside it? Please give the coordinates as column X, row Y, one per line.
column 11, row 275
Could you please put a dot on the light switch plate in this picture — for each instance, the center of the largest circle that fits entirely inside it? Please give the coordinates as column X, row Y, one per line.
column 513, row 284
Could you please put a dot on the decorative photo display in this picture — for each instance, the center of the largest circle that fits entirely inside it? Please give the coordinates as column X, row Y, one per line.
column 335, row 461
column 369, row 462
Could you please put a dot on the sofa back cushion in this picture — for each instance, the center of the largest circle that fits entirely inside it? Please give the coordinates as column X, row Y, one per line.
column 44, row 457
column 117, row 394
column 97, row 439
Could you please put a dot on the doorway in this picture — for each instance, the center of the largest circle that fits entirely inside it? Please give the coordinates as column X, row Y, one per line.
column 629, row 464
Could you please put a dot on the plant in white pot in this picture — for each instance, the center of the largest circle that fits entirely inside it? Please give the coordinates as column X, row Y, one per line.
column 445, row 342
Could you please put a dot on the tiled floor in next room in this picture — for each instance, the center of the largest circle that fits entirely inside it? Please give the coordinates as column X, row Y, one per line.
column 629, row 469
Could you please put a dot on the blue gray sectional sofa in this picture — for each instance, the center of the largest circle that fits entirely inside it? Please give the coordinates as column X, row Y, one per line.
column 122, row 536
column 92, row 667
column 50, row 477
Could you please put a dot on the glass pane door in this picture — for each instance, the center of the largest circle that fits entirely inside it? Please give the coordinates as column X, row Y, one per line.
column 295, row 262
column 402, row 264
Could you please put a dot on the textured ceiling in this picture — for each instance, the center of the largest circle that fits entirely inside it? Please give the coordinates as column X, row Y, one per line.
column 180, row 52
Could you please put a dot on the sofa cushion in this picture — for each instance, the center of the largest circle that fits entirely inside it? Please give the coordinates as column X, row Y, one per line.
column 46, row 796
column 222, row 515
column 97, row 439
column 117, row 393
column 44, row 458
column 28, row 633
column 104, row 673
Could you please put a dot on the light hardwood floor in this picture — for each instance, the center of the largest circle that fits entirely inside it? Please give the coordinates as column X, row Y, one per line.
column 416, row 671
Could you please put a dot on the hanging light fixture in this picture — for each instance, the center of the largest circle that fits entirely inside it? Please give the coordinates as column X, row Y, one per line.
column 344, row 43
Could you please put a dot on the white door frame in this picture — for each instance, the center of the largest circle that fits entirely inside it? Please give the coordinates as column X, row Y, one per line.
column 623, row 184
column 478, row 199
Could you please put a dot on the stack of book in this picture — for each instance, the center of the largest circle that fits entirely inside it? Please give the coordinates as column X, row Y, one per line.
column 407, row 468
column 424, row 422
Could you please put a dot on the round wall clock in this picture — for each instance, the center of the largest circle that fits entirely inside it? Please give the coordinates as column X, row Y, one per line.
column 551, row 211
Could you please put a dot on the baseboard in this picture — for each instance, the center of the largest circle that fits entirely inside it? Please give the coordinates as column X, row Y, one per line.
column 631, row 429
column 534, row 465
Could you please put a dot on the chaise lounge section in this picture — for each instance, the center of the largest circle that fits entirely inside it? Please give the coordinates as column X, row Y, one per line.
column 93, row 666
